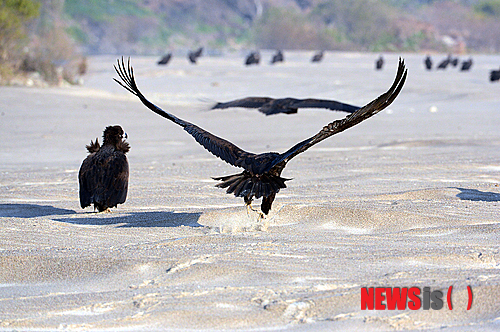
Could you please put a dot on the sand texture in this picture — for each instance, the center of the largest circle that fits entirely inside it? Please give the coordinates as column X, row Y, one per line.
column 407, row 198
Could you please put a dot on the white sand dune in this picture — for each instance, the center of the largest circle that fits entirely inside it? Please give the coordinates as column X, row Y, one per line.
column 408, row 198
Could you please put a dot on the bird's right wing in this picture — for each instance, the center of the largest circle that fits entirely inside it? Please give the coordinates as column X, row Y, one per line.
column 249, row 102
column 219, row 147
column 349, row 121
column 323, row 103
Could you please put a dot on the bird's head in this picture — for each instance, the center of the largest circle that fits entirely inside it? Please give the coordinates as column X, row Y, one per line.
column 113, row 135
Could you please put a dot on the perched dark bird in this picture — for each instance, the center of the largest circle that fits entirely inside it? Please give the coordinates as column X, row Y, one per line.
column 270, row 106
column 253, row 58
column 194, row 55
column 261, row 176
column 103, row 176
column 317, row 57
column 165, row 59
column 278, row 57
column 454, row 62
column 428, row 62
column 466, row 65
column 495, row 75
column 444, row 63
column 379, row 63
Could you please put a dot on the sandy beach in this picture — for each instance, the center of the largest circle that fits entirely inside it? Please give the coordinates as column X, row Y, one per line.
column 408, row 198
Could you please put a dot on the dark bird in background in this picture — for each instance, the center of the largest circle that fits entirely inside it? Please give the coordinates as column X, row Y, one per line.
column 278, row 57
column 253, row 59
column 428, row 62
column 466, row 65
column 379, row 63
column 165, row 59
column 444, row 63
column 194, row 55
column 317, row 57
column 261, row 176
column 495, row 75
column 270, row 106
column 103, row 176
column 454, row 62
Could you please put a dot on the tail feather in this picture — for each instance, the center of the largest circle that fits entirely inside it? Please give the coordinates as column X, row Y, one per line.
column 248, row 186
column 235, row 186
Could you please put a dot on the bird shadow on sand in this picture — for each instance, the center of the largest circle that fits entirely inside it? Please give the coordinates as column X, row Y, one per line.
column 137, row 219
column 31, row 210
column 476, row 195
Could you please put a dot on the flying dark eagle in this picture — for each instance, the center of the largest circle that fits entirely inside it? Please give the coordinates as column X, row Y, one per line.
column 270, row 106
column 261, row 176
column 278, row 57
column 317, row 57
column 104, row 173
column 165, row 59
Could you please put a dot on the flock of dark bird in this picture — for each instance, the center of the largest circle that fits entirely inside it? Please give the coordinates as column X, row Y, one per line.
column 449, row 61
column 104, row 173
column 253, row 58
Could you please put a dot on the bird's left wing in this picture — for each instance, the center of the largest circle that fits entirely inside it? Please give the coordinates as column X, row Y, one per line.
column 324, row 103
column 219, row 147
column 349, row 121
column 249, row 102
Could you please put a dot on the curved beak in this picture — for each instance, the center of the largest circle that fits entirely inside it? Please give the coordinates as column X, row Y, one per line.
column 125, row 135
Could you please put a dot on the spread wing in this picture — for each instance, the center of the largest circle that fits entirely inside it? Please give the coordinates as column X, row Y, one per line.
column 324, row 103
column 349, row 121
column 249, row 102
column 219, row 147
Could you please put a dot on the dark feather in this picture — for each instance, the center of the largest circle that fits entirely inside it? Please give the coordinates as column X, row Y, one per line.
column 103, row 176
column 270, row 106
column 351, row 120
column 249, row 102
column 93, row 147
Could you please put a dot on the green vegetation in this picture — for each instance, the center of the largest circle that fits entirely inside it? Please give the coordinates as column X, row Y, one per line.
column 57, row 27
column 284, row 29
column 14, row 15
column 489, row 8
column 104, row 10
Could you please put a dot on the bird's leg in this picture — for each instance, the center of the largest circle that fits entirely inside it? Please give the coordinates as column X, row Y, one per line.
column 248, row 202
